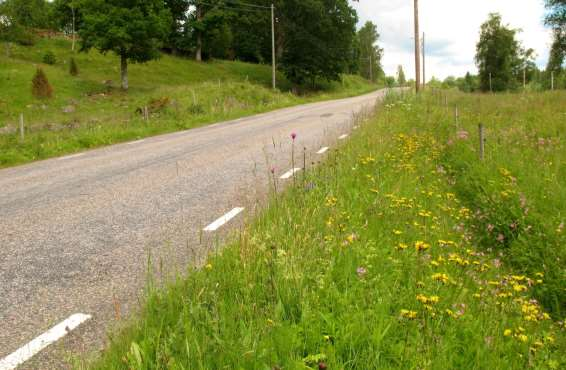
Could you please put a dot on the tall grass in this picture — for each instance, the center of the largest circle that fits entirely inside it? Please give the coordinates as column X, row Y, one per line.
column 377, row 259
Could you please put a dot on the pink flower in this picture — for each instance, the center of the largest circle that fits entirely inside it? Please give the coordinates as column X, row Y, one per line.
column 490, row 227
column 462, row 135
column 293, row 136
column 361, row 271
column 500, row 238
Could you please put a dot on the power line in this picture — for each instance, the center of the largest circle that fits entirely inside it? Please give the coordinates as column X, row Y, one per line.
column 257, row 9
column 247, row 4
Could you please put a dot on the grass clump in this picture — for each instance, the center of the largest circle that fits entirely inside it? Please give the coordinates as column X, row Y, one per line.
column 373, row 260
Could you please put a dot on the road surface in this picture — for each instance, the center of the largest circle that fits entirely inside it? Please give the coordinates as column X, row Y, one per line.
column 76, row 232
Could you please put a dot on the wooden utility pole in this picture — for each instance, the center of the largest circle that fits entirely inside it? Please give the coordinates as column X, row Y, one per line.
column 417, row 49
column 552, row 80
column 490, row 85
column 273, row 45
column 370, row 68
column 424, row 70
column 525, row 78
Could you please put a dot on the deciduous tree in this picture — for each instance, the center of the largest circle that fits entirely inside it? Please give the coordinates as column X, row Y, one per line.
column 133, row 29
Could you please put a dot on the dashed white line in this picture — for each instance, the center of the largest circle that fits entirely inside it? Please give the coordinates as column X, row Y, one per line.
column 343, row 137
column 289, row 173
column 322, row 150
column 71, row 156
column 135, row 142
column 57, row 332
column 224, row 219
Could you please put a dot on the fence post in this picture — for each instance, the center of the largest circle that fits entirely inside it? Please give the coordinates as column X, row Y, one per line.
column 482, row 141
column 457, row 117
column 22, row 135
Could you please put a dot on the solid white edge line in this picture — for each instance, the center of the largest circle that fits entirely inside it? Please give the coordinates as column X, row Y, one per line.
column 52, row 335
column 71, row 156
column 343, row 137
column 135, row 142
column 322, row 150
column 289, row 173
column 222, row 220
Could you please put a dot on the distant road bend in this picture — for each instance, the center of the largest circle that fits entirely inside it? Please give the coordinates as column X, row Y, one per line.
column 75, row 231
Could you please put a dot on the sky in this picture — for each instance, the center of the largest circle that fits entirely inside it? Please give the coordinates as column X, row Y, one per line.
column 451, row 31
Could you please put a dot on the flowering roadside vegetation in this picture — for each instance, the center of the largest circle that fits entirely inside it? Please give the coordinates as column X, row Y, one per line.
column 402, row 250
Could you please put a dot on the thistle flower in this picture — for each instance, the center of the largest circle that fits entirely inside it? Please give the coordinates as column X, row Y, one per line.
column 293, row 136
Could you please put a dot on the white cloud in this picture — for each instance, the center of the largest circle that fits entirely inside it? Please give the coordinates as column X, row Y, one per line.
column 452, row 31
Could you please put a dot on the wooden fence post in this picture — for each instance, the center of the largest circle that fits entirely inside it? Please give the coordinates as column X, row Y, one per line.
column 22, row 134
column 482, row 141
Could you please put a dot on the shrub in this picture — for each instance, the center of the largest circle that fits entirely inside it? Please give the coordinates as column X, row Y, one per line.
column 49, row 58
column 73, row 68
column 40, row 85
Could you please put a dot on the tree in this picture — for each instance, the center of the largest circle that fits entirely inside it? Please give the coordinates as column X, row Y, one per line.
column 133, row 29
column 67, row 17
column 556, row 18
column 28, row 13
column 498, row 55
column 369, row 53
column 317, row 39
column 401, row 79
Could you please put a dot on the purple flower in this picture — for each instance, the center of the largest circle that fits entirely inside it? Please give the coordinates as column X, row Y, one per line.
column 293, row 136
column 361, row 271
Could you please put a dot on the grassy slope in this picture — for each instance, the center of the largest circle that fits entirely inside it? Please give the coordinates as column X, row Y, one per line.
column 199, row 93
column 390, row 267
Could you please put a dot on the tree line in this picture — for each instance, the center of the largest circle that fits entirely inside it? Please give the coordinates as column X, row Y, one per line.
column 315, row 39
column 504, row 64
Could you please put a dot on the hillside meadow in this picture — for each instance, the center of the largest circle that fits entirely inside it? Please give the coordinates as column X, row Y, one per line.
column 402, row 250
column 89, row 110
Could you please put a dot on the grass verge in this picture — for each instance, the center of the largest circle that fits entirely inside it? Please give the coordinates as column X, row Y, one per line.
column 89, row 110
column 377, row 259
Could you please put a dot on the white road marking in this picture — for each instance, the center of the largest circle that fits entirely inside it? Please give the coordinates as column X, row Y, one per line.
column 343, row 137
column 322, row 150
column 289, row 173
column 71, row 156
column 57, row 332
column 222, row 220
column 135, row 142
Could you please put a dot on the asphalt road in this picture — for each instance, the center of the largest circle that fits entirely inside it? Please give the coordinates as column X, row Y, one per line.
column 76, row 232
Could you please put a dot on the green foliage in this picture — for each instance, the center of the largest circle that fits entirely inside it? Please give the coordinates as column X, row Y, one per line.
column 49, row 58
column 28, row 13
column 368, row 38
column 500, row 55
column 401, row 80
column 374, row 259
column 318, row 39
column 73, row 68
column 132, row 29
column 41, row 88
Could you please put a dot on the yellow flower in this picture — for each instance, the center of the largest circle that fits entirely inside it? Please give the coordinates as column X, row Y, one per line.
column 421, row 246
column 519, row 288
column 443, row 278
column 402, row 246
column 208, row 267
column 411, row 315
column 523, row 338
column 507, row 332
column 397, row 232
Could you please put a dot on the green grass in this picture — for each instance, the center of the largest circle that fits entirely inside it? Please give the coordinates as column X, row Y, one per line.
column 379, row 258
column 196, row 94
